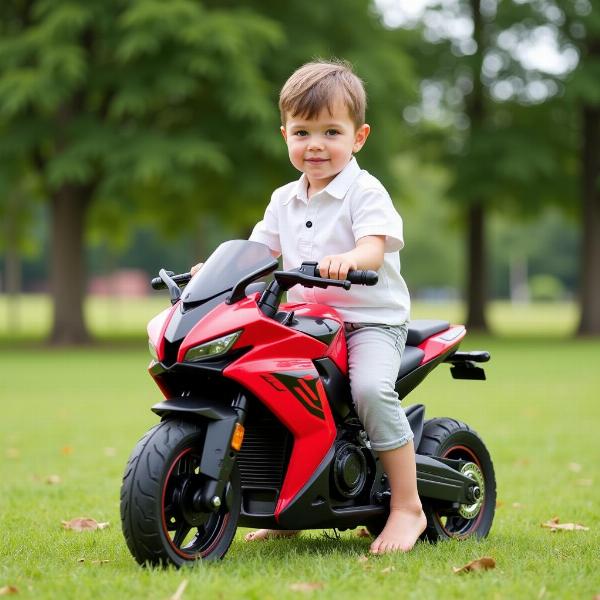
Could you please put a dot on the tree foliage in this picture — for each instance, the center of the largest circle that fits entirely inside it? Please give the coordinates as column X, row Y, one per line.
column 494, row 118
column 110, row 100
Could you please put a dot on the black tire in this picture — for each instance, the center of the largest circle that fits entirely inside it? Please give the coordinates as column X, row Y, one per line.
column 448, row 438
column 159, row 523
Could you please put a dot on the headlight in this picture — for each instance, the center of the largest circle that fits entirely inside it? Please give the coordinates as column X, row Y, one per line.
column 213, row 348
column 153, row 350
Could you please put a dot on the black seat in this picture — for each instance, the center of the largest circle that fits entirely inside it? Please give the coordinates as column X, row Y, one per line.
column 411, row 359
column 420, row 329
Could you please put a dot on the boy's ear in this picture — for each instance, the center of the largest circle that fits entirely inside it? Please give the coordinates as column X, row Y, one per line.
column 360, row 137
column 283, row 132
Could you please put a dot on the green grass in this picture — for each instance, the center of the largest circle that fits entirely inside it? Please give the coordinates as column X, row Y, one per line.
column 78, row 414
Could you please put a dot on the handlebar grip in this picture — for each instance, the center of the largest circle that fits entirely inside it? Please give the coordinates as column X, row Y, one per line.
column 158, row 284
column 363, row 277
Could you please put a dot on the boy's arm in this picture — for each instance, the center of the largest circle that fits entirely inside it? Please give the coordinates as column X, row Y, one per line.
column 368, row 254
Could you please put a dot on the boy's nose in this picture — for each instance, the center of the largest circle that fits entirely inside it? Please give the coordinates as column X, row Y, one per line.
column 315, row 144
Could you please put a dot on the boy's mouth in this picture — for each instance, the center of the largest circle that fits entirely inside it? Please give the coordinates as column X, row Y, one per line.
column 316, row 160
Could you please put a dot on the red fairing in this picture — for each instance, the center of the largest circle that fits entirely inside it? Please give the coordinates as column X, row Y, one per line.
column 157, row 327
column 337, row 350
column 442, row 342
column 279, row 371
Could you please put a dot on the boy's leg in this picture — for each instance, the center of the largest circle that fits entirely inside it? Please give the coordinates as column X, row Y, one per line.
column 406, row 521
column 374, row 355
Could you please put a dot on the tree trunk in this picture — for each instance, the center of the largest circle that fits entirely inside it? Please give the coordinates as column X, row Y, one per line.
column 69, row 207
column 13, row 281
column 476, row 292
column 477, row 269
column 589, row 323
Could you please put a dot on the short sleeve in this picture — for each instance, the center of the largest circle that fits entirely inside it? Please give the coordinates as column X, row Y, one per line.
column 374, row 214
column 267, row 231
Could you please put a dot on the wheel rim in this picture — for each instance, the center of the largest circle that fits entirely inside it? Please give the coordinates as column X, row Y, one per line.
column 464, row 523
column 191, row 533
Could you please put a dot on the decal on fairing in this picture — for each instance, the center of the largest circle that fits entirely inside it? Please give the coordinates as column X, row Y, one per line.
column 303, row 387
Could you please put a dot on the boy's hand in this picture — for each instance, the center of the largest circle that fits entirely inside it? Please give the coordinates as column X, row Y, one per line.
column 336, row 266
column 196, row 268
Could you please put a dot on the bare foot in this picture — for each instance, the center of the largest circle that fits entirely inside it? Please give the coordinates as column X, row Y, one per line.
column 402, row 530
column 269, row 534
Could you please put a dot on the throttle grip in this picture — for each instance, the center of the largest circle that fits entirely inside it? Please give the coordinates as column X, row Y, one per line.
column 363, row 277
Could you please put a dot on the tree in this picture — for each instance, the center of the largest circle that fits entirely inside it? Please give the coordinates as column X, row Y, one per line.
column 106, row 100
column 492, row 110
column 579, row 27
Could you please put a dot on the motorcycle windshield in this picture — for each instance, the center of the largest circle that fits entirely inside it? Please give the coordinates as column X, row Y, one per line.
column 229, row 263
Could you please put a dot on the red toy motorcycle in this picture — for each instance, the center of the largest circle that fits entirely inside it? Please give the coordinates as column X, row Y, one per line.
column 257, row 425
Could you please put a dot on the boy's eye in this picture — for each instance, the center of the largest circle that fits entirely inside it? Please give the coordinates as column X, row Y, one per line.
column 332, row 132
column 301, row 133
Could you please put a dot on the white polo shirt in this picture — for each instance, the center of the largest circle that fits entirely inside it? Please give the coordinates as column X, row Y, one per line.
column 354, row 204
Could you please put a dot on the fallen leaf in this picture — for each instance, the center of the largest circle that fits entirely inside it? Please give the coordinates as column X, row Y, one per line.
column 585, row 482
column 575, row 467
column 83, row 524
column 110, row 452
column 7, row 590
column 517, row 505
column 66, row 450
column 93, row 562
column 499, row 503
column 363, row 559
column 555, row 525
column 362, row 532
column 388, row 569
column 178, row 595
column 522, row 462
column 306, row 586
column 13, row 453
column 480, row 564
column 52, row 479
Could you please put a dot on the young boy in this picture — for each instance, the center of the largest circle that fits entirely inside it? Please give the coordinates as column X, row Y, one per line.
column 342, row 217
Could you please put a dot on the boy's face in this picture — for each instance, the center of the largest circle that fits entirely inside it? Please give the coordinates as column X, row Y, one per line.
column 323, row 146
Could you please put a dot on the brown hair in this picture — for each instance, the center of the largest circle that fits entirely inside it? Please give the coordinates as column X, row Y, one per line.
column 315, row 86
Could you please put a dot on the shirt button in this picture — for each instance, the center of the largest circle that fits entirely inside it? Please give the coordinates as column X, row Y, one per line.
column 309, row 224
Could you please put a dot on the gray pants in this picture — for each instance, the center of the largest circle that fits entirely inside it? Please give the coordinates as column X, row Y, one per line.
column 374, row 355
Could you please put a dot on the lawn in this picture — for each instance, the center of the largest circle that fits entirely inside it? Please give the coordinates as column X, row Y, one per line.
column 77, row 414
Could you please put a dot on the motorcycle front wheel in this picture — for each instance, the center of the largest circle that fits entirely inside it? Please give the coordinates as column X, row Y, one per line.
column 160, row 521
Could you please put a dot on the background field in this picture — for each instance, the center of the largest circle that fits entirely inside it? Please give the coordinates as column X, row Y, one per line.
column 114, row 317
column 78, row 413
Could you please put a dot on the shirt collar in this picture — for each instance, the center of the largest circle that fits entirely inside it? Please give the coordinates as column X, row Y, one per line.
column 337, row 188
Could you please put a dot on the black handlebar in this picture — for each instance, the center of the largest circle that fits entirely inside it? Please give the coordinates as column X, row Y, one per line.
column 307, row 275
column 358, row 277
column 157, row 283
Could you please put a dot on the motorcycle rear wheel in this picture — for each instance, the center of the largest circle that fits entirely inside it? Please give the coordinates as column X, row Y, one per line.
column 449, row 438
column 160, row 523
